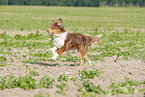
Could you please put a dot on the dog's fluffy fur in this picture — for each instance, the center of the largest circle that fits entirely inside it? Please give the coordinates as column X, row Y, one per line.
column 64, row 41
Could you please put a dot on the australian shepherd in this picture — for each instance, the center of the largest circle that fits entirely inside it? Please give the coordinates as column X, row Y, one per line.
column 64, row 41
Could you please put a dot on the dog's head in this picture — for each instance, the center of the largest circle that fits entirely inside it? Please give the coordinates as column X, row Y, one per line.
column 55, row 28
column 96, row 39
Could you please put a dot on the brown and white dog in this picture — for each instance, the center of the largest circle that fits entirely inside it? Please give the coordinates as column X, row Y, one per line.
column 64, row 41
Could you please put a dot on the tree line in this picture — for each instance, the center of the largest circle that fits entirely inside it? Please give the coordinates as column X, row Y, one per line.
column 89, row 3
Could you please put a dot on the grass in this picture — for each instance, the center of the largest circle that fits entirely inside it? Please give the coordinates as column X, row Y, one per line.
column 39, row 18
column 122, row 32
column 99, row 21
column 114, row 43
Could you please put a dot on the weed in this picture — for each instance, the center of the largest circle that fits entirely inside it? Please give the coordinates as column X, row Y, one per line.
column 86, row 94
column 3, row 61
column 126, row 87
column 61, row 86
column 73, row 79
column 71, row 58
column 41, row 94
column 63, row 77
column 46, row 82
column 84, row 74
column 33, row 73
column 26, row 82
column 90, row 87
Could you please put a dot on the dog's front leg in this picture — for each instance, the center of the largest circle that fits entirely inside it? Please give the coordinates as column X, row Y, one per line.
column 58, row 52
column 53, row 50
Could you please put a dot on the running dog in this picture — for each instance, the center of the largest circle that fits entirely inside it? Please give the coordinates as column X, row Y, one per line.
column 64, row 41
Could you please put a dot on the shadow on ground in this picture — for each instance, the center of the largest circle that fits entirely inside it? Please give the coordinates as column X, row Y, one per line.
column 55, row 64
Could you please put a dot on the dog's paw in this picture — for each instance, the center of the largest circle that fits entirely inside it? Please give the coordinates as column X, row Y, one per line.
column 53, row 58
column 91, row 63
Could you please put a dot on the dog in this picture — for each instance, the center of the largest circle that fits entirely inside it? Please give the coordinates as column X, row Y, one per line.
column 64, row 41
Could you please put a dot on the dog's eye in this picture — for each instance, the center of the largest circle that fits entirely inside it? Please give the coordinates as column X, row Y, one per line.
column 60, row 28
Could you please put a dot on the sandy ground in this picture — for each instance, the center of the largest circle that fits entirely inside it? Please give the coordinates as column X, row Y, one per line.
column 110, row 70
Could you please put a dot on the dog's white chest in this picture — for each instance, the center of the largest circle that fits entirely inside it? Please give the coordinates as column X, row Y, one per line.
column 58, row 39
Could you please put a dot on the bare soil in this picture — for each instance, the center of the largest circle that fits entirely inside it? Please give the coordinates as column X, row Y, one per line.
column 110, row 71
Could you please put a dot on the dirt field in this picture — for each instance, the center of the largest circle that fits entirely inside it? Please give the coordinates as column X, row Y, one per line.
column 110, row 71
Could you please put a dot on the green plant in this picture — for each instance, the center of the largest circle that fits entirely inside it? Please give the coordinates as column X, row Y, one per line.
column 126, row 87
column 63, row 77
column 73, row 79
column 71, row 58
column 90, row 87
column 41, row 94
column 86, row 94
column 33, row 73
column 46, row 82
column 3, row 61
column 84, row 74
column 26, row 82
column 61, row 86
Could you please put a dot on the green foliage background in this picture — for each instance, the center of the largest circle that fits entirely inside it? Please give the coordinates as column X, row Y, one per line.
column 89, row 3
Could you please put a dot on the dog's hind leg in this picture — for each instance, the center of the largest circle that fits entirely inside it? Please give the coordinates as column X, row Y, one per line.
column 88, row 59
column 82, row 57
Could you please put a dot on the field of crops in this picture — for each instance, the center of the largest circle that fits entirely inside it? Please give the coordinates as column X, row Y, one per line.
column 118, row 68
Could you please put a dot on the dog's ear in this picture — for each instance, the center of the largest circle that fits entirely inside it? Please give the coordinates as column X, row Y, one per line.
column 60, row 20
column 53, row 21
column 62, row 28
